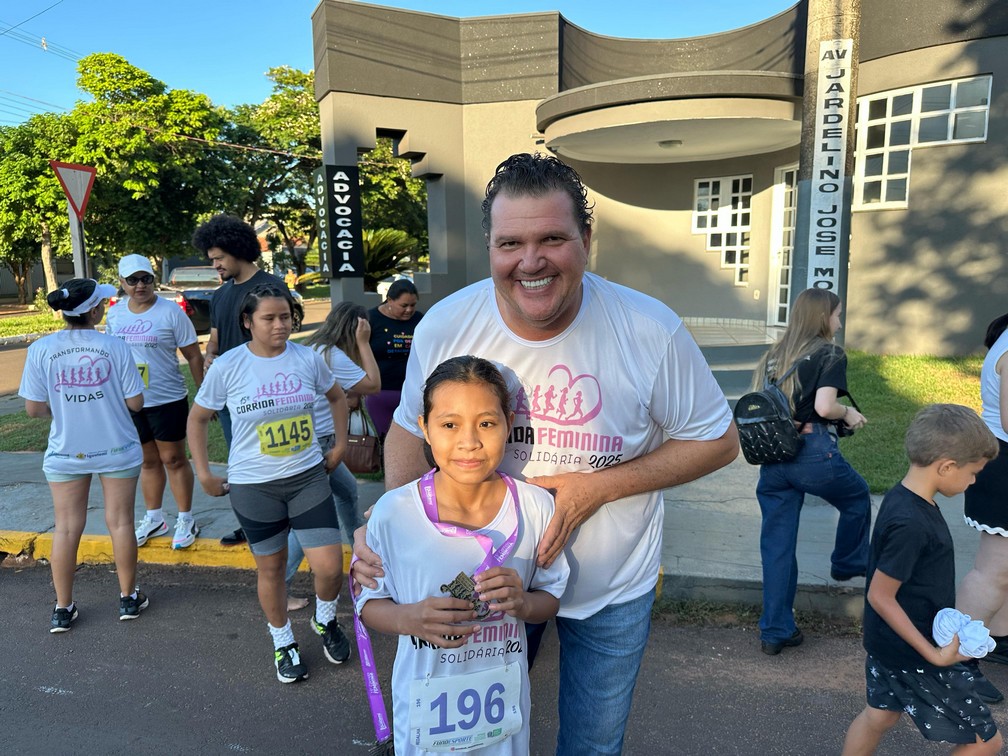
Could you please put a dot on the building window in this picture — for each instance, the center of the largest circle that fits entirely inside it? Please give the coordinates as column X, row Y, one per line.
column 891, row 124
column 722, row 210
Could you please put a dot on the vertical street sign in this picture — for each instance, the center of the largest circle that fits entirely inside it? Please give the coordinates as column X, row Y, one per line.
column 76, row 181
column 829, row 208
column 339, row 221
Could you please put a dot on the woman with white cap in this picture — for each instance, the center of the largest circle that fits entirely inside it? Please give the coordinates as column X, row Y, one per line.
column 87, row 382
column 154, row 328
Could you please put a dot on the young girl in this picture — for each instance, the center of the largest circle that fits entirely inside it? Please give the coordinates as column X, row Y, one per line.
column 88, row 383
column 276, row 477
column 459, row 549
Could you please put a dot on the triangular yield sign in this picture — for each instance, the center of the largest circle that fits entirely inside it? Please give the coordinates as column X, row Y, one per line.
column 76, row 181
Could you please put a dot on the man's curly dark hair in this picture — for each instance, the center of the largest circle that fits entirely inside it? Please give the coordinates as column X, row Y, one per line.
column 535, row 174
column 229, row 233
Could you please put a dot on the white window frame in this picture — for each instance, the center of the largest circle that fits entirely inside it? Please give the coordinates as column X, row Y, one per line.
column 725, row 216
column 913, row 117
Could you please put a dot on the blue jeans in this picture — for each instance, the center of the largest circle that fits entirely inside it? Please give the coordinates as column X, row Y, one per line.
column 818, row 469
column 599, row 660
column 344, row 488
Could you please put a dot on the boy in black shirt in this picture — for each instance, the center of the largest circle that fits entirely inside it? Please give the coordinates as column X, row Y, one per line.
column 911, row 576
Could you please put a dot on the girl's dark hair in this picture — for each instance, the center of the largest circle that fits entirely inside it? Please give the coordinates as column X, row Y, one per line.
column 400, row 287
column 995, row 329
column 73, row 293
column 340, row 330
column 251, row 301
column 466, row 369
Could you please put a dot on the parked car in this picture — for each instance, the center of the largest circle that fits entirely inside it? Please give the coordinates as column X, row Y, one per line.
column 191, row 288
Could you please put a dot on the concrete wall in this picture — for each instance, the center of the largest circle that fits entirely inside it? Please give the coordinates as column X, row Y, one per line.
column 643, row 235
column 929, row 278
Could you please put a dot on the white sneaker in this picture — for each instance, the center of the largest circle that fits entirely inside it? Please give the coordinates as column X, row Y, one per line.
column 185, row 533
column 149, row 528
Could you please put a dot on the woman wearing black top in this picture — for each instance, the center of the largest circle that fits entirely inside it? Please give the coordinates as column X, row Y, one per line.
column 819, row 468
column 392, row 325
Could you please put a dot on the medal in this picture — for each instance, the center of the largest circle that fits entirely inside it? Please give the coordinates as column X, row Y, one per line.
column 463, row 587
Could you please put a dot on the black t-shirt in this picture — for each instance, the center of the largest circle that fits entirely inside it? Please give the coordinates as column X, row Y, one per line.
column 224, row 304
column 911, row 543
column 391, row 340
column 826, row 367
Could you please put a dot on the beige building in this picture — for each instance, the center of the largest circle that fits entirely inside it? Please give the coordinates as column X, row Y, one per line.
column 690, row 150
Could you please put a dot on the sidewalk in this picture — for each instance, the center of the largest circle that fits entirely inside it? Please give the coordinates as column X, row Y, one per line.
column 710, row 550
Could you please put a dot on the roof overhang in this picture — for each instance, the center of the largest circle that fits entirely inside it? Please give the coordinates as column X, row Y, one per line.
column 674, row 119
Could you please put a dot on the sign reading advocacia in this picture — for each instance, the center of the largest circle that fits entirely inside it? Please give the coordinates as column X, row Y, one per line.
column 828, row 174
column 338, row 216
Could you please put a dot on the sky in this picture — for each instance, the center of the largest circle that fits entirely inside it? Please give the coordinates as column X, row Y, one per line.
column 223, row 48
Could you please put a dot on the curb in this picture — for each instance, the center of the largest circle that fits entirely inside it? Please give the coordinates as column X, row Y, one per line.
column 97, row 549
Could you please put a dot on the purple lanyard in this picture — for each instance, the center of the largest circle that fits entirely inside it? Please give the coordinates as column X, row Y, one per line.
column 379, row 714
column 493, row 558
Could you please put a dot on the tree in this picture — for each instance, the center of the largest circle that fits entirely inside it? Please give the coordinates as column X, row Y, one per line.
column 33, row 209
column 149, row 146
column 391, row 197
column 387, row 251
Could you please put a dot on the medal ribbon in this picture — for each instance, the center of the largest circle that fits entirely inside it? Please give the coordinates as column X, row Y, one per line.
column 379, row 714
column 493, row 558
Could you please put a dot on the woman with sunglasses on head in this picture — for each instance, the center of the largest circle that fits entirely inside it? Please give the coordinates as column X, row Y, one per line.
column 154, row 328
column 277, row 474
column 88, row 383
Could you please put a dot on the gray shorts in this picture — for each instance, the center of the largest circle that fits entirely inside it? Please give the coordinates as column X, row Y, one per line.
column 302, row 503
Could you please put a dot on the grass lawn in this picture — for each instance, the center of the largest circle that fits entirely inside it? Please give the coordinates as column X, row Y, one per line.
column 889, row 391
column 18, row 325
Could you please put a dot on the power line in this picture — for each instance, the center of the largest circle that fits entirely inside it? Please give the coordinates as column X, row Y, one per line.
column 44, row 45
column 31, row 17
column 32, row 99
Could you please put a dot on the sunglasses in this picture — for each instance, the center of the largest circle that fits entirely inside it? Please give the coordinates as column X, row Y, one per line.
column 146, row 279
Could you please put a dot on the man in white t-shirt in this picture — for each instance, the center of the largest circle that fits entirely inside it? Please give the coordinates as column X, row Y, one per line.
column 613, row 402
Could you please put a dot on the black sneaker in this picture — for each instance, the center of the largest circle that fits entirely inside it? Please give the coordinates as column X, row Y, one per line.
column 61, row 619
column 773, row 648
column 985, row 688
column 130, row 608
column 234, row 539
column 334, row 641
column 289, row 667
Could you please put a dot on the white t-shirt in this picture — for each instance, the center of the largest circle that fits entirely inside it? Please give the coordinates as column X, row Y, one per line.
column 154, row 336
column 606, row 390
column 400, row 532
column 991, row 388
column 347, row 373
column 86, row 377
column 271, row 401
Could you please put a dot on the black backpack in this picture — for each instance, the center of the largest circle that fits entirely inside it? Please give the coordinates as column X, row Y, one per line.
column 766, row 431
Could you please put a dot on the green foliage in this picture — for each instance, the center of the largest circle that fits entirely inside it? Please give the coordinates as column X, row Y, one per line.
column 391, row 197
column 890, row 390
column 43, row 322
column 140, row 136
column 387, row 251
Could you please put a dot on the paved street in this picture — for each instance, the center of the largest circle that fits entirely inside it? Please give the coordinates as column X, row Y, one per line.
column 194, row 675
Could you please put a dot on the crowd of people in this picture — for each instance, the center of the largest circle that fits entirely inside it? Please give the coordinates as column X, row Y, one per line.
column 531, row 422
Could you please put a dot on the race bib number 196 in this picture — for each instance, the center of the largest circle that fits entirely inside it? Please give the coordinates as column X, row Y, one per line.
column 281, row 438
column 465, row 712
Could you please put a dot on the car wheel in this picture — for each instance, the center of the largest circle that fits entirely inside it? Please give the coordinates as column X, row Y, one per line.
column 296, row 320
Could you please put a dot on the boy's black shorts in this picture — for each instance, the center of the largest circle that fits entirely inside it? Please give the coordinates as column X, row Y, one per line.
column 944, row 705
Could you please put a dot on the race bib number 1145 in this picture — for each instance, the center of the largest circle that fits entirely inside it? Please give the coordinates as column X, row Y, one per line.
column 466, row 712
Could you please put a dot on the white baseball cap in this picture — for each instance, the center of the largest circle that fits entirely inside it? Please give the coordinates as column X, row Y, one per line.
column 134, row 264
